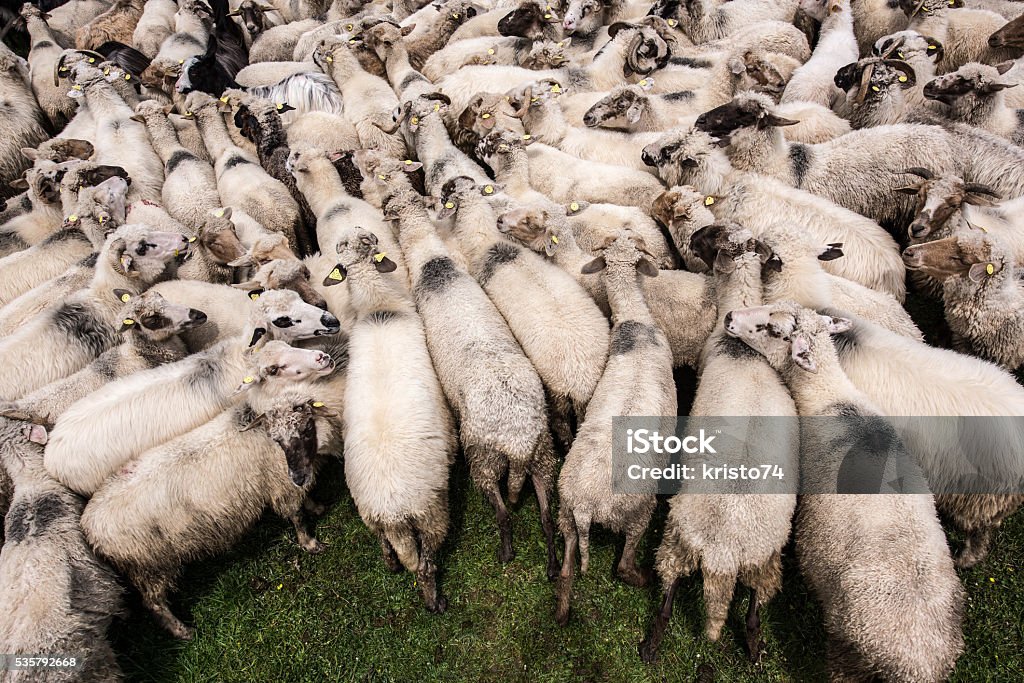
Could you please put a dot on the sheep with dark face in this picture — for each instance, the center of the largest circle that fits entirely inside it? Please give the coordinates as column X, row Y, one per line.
column 974, row 95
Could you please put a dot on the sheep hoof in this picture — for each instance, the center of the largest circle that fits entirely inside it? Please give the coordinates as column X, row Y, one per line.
column 553, row 569
column 439, row 606
column 648, row 653
column 636, row 578
column 562, row 618
column 182, row 632
column 506, row 554
column 313, row 546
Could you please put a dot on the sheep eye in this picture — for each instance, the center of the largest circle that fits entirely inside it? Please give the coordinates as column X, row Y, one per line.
column 273, row 370
column 142, row 249
column 284, row 321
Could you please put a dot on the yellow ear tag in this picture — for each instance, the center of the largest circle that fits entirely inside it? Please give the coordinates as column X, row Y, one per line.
column 127, row 77
column 254, row 295
column 485, row 116
column 414, row 120
column 455, row 15
column 554, row 240
column 990, row 269
column 92, row 60
column 181, row 61
column 330, row 60
column 73, row 218
column 672, row 23
column 280, row 106
column 527, row 136
column 547, row 16
column 352, row 40
column 379, row 257
column 219, row 213
column 224, row 99
column 932, row 47
column 76, row 87
column 709, row 200
column 128, row 321
column 574, row 206
column 349, row 27
column 488, row 189
column 125, row 298
column 191, row 239
column 875, row 88
column 437, row 107
column 382, row 176
column 336, row 275
column 490, row 50
column 102, row 220
column 318, row 404
column 556, row 88
column 247, row 380
column 106, row 71
column 408, row 162
column 899, row 53
column 449, row 205
column 902, row 79
column 642, row 83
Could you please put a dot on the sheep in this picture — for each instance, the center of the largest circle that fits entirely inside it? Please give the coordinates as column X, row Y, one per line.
column 683, row 304
column 284, row 274
column 974, row 96
column 592, row 224
column 496, row 395
column 872, row 160
column 200, row 492
column 116, row 24
column 963, row 31
column 692, row 157
column 981, row 293
column 837, row 46
column 542, row 117
column 60, row 598
column 277, row 43
column 42, row 180
column 739, row 535
column 241, row 181
column 45, row 51
column 199, row 387
column 254, row 18
column 518, row 165
column 637, row 381
column 398, row 477
column 328, row 131
column 368, row 98
column 64, row 20
column 155, row 25
column 890, row 612
column 193, row 28
column 269, row 73
column 881, row 92
column 920, row 52
column 99, row 211
column 873, row 19
column 119, row 140
column 634, row 108
column 72, row 334
column 30, row 267
column 189, row 190
column 151, row 326
column 303, row 92
column 531, row 19
column 334, row 208
column 702, row 21
column 559, row 327
column 540, row 54
column 403, row 53
column 227, row 309
column 23, row 119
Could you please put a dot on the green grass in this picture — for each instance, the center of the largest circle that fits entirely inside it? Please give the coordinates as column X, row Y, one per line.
column 269, row 612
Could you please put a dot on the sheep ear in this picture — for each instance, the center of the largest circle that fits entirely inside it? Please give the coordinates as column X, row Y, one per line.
column 774, row 121
column 257, row 335
column 1003, row 67
column 123, row 295
column 979, row 271
column 646, row 267
column 909, row 189
column 137, row 118
column 634, row 113
column 594, row 266
column 256, row 421
column 801, row 353
column 406, row 30
column 723, row 263
column 831, row 252
column 847, row 76
column 550, row 245
column 384, row 265
column 336, row 276
column 836, row 325
column 36, row 434
column 410, row 166
column 18, row 184
column 30, row 153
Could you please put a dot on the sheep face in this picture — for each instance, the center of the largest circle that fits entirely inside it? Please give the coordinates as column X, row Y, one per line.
column 105, row 204
column 293, row 427
column 534, row 226
column 623, row 251
column 284, row 274
column 583, row 17
column 722, row 245
column 60, row 150
column 142, row 253
column 927, row 8
column 1010, row 35
column 530, row 20
column 358, row 249
column 282, row 314
column 758, row 72
column 154, row 317
column 680, row 206
column 381, row 175
column 748, row 110
column 621, row 108
column 547, row 54
column 42, row 181
column 381, row 38
column 939, row 198
column 785, row 333
column 971, row 82
column 277, row 362
column 498, row 149
column 489, row 111
column 251, row 16
column 906, row 45
column 455, row 190
column 680, row 154
column 973, row 255
column 874, row 79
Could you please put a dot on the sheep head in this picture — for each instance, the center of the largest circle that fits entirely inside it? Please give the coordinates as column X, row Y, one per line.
column 786, row 334
column 157, row 319
column 289, row 274
column 972, row 254
column 938, row 198
column 621, row 108
column 971, row 82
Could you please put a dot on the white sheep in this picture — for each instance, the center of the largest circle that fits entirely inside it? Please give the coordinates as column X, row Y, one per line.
column 837, row 47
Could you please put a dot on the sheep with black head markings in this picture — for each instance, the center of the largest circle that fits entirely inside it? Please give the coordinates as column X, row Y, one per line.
column 891, row 608
column 196, row 495
column 398, row 477
column 637, row 381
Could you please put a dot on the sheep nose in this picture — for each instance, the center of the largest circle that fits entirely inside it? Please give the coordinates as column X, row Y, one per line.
column 197, row 317
column 648, row 158
column 911, row 256
column 728, row 319
column 569, row 25
column 995, row 40
column 329, row 321
column 589, row 120
column 918, row 229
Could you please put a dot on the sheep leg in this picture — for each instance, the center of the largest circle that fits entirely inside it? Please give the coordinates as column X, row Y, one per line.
column 649, row 646
column 764, row 581
column 426, row 576
column 583, row 539
column 505, row 552
column 975, row 548
column 718, row 589
column 563, row 589
column 313, row 508
column 307, row 541
column 628, row 570
column 560, row 413
column 547, row 524
column 755, row 645
column 153, row 587
column 517, row 471
column 391, row 560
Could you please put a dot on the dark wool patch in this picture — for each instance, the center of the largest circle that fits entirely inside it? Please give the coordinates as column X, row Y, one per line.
column 176, row 159
column 735, row 348
column 42, row 45
column 436, row 275
column 106, row 365
column 337, row 210
column 81, row 325
column 497, row 256
column 800, row 161
column 236, row 160
column 382, row 317
column 678, row 96
column 205, row 373
column 438, row 170
column 32, row 518
column 631, row 335
column 66, row 235
column 90, row 260
column 410, row 79
column 690, row 62
column 11, row 240
column 845, row 342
